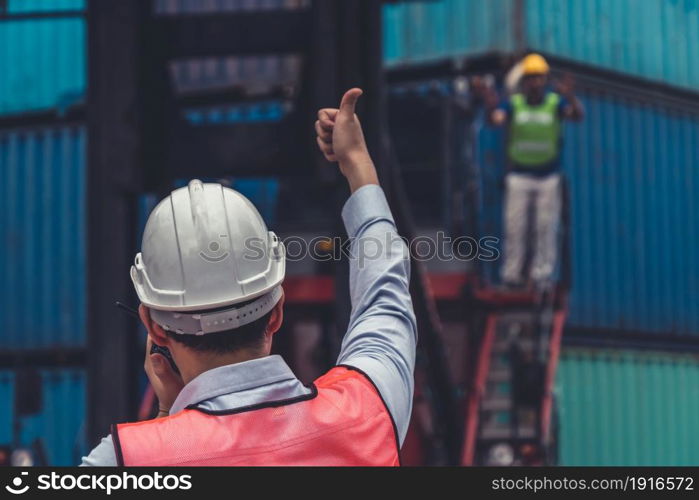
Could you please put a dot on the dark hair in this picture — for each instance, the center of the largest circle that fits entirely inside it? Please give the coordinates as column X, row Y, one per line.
column 244, row 337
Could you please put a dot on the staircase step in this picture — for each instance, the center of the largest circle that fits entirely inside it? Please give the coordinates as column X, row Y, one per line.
column 505, row 345
column 505, row 432
column 495, row 433
column 522, row 319
column 496, row 404
column 499, row 362
column 499, row 375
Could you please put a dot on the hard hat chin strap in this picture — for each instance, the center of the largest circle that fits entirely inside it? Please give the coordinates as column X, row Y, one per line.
column 217, row 321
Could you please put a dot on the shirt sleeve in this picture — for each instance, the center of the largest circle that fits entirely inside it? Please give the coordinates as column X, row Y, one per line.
column 563, row 104
column 382, row 335
column 102, row 455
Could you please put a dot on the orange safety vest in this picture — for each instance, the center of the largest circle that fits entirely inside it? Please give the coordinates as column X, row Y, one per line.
column 343, row 421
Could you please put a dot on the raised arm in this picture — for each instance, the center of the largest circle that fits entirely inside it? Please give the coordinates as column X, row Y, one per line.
column 382, row 334
column 495, row 115
column 573, row 109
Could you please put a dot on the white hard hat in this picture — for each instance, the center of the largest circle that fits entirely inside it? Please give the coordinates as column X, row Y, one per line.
column 205, row 247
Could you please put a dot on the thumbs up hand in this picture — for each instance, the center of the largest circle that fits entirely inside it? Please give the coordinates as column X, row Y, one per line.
column 340, row 139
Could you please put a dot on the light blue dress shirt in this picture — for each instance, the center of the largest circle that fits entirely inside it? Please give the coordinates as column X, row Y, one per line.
column 380, row 340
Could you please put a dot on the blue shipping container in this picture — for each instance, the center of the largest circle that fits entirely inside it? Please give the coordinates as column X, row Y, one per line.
column 43, row 60
column 32, row 6
column 60, row 426
column 6, row 397
column 42, row 237
column 425, row 31
column 256, row 74
column 654, row 39
column 631, row 167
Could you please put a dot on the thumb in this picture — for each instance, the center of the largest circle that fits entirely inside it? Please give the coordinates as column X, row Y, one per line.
column 349, row 101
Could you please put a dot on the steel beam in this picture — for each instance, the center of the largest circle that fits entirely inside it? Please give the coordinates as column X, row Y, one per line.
column 235, row 33
column 116, row 139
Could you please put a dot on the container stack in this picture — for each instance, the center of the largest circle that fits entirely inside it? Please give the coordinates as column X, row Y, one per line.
column 628, row 381
column 42, row 227
column 631, row 170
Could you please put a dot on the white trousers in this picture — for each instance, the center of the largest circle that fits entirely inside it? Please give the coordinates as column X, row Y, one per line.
column 544, row 193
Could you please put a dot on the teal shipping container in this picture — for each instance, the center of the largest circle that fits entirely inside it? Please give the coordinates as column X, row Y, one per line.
column 43, row 6
column 427, row 31
column 42, row 237
column 43, row 61
column 628, row 408
column 60, row 424
column 653, row 39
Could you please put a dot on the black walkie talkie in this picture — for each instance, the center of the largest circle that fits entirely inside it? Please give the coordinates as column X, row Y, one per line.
column 154, row 348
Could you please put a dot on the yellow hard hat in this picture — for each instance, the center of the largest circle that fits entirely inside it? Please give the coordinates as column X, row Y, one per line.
column 534, row 64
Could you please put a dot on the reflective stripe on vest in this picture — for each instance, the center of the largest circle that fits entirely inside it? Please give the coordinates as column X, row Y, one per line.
column 535, row 131
column 343, row 421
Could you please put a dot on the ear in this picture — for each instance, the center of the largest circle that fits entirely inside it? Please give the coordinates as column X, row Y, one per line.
column 277, row 317
column 155, row 331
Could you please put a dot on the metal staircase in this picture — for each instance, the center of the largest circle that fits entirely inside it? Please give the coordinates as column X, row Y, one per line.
column 509, row 408
column 511, row 416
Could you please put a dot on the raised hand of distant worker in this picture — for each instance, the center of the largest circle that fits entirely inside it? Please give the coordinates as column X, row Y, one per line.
column 484, row 92
column 566, row 86
column 574, row 109
column 340, row 139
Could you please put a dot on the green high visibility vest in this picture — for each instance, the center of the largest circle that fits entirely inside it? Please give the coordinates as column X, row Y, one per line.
column 535, row 131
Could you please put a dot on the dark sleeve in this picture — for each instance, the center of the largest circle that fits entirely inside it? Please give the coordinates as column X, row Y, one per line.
column 563, row 104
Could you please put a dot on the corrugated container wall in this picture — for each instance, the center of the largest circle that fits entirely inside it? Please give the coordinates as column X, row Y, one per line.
column 60, row 425
column 423, row 31
column 654, row 39
column 43, row 60
column 29, row 6
column 628, row 408
column 6, row 396
column 631, row 167
column 42, row 237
